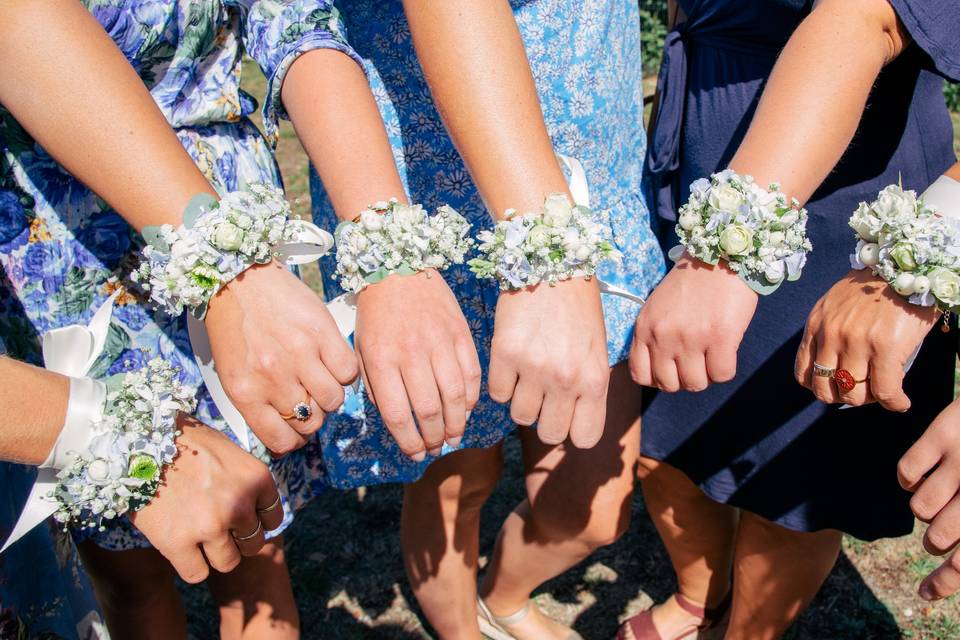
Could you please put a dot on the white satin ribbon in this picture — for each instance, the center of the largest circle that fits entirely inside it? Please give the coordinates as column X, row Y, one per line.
column 944, row 196
column 580, row 191
column 69, row 351
column 310, row 243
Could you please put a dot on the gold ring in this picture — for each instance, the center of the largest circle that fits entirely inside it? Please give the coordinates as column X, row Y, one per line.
column 273, row 507
column 256, row 532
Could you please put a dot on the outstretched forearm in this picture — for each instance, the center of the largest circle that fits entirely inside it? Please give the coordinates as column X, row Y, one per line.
column 816, row 95
column 487, row 99
column 70, row 87
column 339, row 125
column 33, row 404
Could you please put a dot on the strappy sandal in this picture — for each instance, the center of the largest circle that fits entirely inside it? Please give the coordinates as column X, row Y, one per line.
column 641, row 627
column 493, row 626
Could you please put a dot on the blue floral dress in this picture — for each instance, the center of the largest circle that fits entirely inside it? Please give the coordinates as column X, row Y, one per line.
column 585, row 57
column 63, row 251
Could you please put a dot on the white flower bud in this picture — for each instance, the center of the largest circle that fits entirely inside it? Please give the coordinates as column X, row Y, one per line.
column 921, row 284
column 904, row 284
column 870, row 254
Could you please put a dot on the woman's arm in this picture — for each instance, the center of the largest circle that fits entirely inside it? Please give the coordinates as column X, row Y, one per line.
column 413, row 342
column 71, row 88
column 549, row 344
column 838, row 51
column 86, row 106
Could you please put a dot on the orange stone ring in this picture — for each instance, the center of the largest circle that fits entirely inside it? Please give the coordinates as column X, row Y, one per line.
column 845, row 380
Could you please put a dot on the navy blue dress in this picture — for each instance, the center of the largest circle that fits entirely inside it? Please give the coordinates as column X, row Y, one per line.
column 761, row 442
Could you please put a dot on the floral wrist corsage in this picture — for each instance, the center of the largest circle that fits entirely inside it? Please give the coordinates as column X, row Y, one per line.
column 760, row 233
column 911, row 246
column 185, row 266
column 390, row 237
column 132, row 443
column 559, row 243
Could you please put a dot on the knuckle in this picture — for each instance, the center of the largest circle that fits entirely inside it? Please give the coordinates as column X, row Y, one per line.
column 939, row 539
column 455, row 391
column 196, row 576
column 565, row 378
column 266, row 363
column 242, row 389
column 395, row 417
column 428, row 410
column 954, row 562
column 331, row 397
column 284, row 445
column 922, row 507
column 907, row 473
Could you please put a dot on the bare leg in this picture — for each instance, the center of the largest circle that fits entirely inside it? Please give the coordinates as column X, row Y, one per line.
column 700, row 536
column 256, row 599
column 440, row 537
column 777, row 572
column 577, row 501
column 137, row 593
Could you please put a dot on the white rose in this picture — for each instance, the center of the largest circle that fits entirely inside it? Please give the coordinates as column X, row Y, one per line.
column 921, row 284
column 894, row 204
column 98, row 470
column 539, row 236
column 725, row 198
column 736, row 239
column 583, row 253
column 904, row 284
column 407, row 215
column 870, row 254
column 777, row 238
column 689, row 219
column 371, row 220
column 789, row 218
column 228, row 237
column 774, row 272
column 357, row 243
column 557, row 210
column 945, row 285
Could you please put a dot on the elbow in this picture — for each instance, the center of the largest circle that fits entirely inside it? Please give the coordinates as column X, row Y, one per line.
column 873, row 22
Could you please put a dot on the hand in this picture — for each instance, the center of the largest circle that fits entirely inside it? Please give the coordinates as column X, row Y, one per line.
column 931, row 469
column 549, row 356
column 865, row 327
column 416, row 350
column 275, row 344
column 688, row 333
column 211, row 492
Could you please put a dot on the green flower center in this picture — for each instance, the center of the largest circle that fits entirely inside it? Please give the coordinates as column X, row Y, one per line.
column 143, row 467
column 206, row 280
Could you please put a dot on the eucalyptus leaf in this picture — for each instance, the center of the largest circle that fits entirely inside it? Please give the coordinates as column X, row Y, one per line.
column 759, row 283
column 198, row 205
column 152, row 235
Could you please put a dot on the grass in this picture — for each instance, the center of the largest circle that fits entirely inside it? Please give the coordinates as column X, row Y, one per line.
column 344, row 555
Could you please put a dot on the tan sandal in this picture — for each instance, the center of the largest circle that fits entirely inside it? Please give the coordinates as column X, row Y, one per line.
column 641, row 627
column 493, row 626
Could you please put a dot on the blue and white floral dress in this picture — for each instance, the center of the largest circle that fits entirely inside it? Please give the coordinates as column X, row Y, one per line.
column 63, row 250
column 585, row 57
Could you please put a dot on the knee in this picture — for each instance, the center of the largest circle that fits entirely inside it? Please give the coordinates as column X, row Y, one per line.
column 604, row 520
column 468, row 485
column 126, row 584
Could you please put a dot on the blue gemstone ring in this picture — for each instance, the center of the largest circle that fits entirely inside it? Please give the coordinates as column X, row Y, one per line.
column 301, row 411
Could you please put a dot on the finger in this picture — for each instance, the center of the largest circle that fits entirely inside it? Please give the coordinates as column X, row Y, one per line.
column 527, row 400
column 823, row 387
column 721, row 362
column 395, row 410
column 589, row 415
column 944, row 532
column 248, row 534
column 363, row 375
column 503, row 377
column 919, row 459
column 425, row 400
column 640, row 369
column 453, row 394
column 337, row 356
column 692, row 369
column 934, row 493
column 944, row 581
column 189, row 563
column 274, row 432
column 322, row 387
column 222, row 552
column 288, row 399
column 665, row 373
column 470, row 370
column 886, row 383
column 858, row 364
column 269, row 505
column 556, row 415
column 803, row 365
